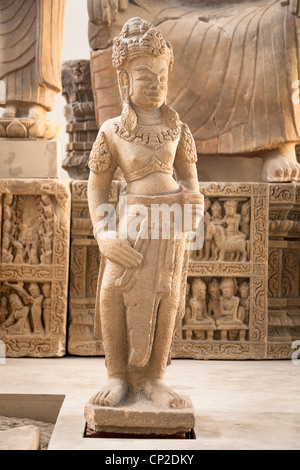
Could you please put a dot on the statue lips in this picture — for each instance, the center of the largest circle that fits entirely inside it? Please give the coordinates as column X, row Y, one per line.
column 154, row 95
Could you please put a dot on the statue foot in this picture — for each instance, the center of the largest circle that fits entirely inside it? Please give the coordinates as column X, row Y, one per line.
column 159, row 393
column 281, row 165
column 113, row 393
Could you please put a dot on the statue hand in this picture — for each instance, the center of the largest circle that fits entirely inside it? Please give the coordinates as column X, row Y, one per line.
column 195, row 208
column 294, row 6
column 118, row 250
column 106, row 11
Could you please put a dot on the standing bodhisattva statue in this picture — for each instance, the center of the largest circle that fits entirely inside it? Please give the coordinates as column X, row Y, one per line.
column 142, row 280
column 31, row 39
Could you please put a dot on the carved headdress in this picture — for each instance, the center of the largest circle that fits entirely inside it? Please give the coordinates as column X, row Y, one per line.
column 137, row 38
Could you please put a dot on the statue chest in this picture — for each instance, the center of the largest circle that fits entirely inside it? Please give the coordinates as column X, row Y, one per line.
column 143, row 159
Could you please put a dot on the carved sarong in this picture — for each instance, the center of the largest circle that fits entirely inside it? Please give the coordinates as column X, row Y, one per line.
column 161, row 275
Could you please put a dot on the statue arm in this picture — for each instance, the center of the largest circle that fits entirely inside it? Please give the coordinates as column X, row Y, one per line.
column 103, row 164
column 294, row 6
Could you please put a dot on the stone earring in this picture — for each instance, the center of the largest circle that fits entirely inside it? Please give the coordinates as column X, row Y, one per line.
column 128, row 116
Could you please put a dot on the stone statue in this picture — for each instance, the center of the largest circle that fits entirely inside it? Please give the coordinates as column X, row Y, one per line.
column 141, row 278
column 30, row 47
column 214, row 291
column 227, row 236
column 3, row 309
column 238, row 65
column 36, row 307
column 17, row 322
column 231, row 313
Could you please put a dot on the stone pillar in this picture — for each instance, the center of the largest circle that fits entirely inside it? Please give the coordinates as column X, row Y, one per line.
column 80, row 115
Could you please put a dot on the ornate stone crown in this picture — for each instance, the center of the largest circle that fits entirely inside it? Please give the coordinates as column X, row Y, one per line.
column 137, row 38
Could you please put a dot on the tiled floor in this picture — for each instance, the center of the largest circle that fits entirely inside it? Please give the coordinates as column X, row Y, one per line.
column 239, row 405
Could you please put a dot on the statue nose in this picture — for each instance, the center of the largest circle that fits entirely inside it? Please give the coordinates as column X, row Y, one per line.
column 157, row 85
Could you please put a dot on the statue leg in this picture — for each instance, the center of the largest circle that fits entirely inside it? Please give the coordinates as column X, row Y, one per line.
column 113, row 329
column 281, row 165
column 152, row 384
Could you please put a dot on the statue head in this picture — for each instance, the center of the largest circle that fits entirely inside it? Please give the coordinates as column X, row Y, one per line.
column 34, row 290
column 228, row 287
column 231, row 206
column 244, row 290
column 214, row 289
column 143, row 60
column 3, row 302
column 199, row 289
column 46, row 287
column 216, row 210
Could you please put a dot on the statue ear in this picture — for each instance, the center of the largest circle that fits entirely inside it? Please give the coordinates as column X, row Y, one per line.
column 124, row 85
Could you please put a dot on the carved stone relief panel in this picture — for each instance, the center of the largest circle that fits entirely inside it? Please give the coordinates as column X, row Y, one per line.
column 35, row 229
column 85, row 263
column 284, row 270
column 226, row 305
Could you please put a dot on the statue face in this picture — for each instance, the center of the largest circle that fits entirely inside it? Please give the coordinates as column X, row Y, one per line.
column 227, row 291
column 34, row 290
column 148, row 82
column 230, row 210
column 244, row 290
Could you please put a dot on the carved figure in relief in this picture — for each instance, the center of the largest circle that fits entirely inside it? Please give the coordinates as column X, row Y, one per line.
column 46, row 288
column 17, row 322
column 8, row 220
column 7, row 256
column 245, row 219
column 214, row 299
column 211, row 249
column 36, row 307
column 227, row 236
column 33, row 257
column 230, row 310
column 30, row 48
column 188, row 311
column 148, row 142
column 3, row 309
column 46, row 249
column 19, row 252
column 199, row 308
column 244, row 289
column 234, row 100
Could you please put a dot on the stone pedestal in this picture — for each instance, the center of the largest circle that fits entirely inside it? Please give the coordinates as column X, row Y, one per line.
column 140, row 417
column 29, row 159
column 35, row 232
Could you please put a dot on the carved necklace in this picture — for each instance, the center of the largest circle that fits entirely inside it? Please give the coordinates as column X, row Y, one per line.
column 141, row 135
column 153, row 140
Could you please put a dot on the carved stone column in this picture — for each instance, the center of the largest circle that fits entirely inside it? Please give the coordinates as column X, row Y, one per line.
column 80, row 115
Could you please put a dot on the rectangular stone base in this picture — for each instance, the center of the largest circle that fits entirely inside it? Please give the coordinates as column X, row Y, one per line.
column 140, row 417
column 29, row 159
